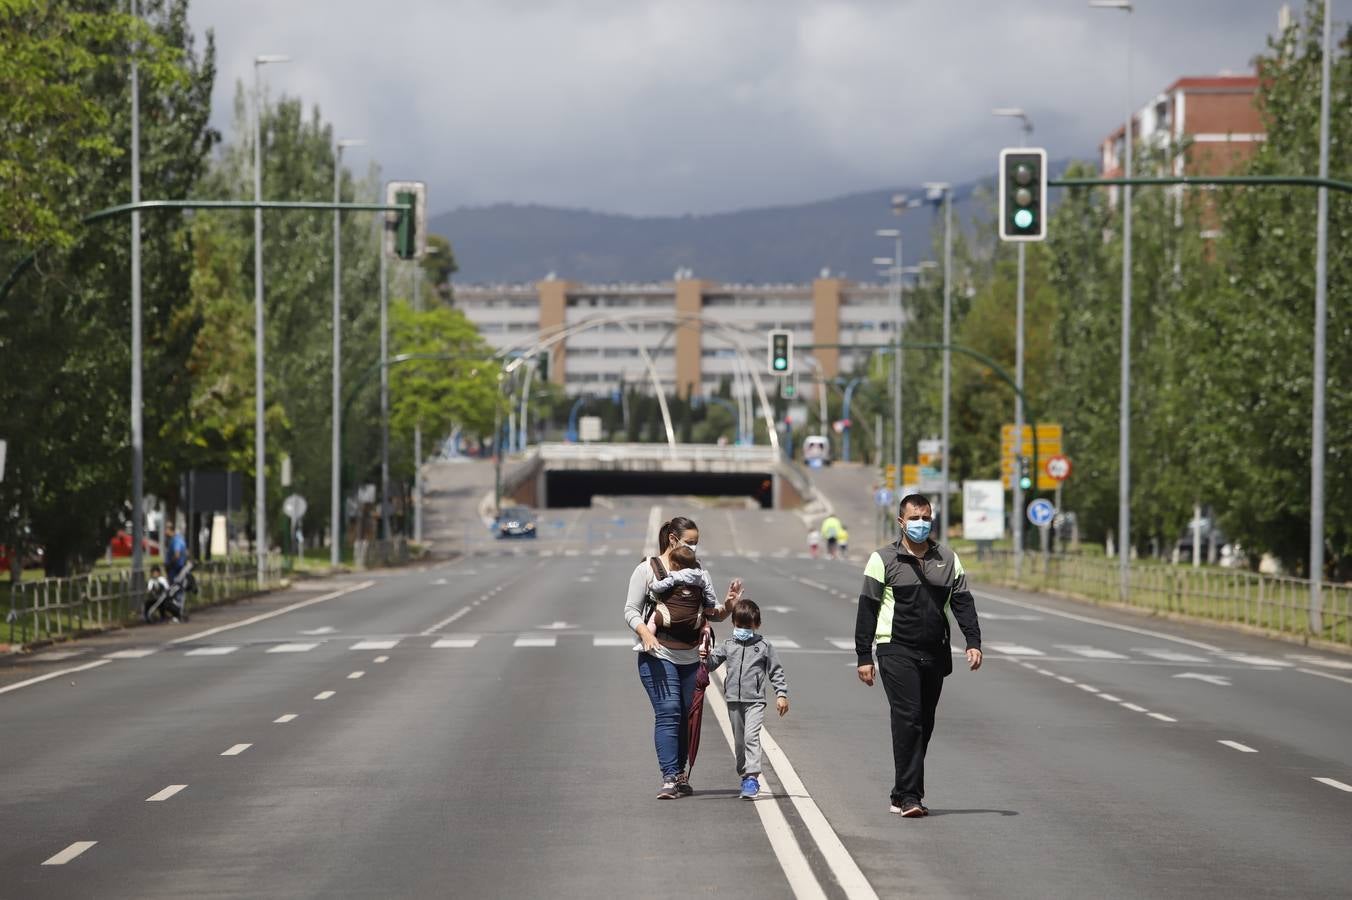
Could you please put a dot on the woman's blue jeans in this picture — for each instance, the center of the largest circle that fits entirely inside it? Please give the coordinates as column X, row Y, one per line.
column 671, row 688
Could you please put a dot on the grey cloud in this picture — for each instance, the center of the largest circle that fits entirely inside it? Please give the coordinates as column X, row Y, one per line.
column 672, row 106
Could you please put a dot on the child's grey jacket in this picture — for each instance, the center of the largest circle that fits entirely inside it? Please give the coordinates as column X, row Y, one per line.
column 750, row 664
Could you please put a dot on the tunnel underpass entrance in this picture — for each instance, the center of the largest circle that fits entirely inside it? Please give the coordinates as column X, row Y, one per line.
column 573, row 488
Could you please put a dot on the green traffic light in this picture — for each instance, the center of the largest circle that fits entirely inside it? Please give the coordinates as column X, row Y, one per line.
column 781, row 363
column 1025, row 483
column 1023, row 219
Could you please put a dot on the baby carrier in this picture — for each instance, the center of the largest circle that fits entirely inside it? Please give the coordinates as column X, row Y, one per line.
column 681, row 611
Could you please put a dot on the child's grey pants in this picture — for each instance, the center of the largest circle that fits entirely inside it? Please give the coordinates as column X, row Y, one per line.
column 747, row 719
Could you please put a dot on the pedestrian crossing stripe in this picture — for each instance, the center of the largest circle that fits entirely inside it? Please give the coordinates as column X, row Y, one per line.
column 1090, row 652
column 532, row 640
column 292, row 648
column 374, row 645
column 1013, row 649
column 842, row 643
column 211, row 651
column 1169, row 655
column 456, row 642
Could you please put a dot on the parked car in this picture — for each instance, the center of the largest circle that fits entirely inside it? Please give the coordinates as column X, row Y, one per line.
column 515, row 521
column 119, row 545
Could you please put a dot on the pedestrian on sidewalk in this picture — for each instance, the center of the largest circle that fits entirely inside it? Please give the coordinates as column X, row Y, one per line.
column 908, row 588
column 752, row 662
column 668, row 658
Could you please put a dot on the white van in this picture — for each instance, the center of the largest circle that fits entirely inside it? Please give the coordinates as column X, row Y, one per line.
column 817, row 450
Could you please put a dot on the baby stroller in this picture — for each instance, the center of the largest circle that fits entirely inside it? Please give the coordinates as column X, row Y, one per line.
column 169, row 598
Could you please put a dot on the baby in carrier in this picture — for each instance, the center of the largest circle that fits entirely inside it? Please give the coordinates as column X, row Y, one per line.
column 681, row 596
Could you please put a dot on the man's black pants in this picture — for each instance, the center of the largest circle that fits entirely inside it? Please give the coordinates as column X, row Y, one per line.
column 912, row 688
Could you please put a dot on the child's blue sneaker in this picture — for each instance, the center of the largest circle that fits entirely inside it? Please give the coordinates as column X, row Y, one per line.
column 750, row 787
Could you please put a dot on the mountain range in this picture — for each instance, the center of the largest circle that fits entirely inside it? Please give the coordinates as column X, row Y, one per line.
column 522, row 243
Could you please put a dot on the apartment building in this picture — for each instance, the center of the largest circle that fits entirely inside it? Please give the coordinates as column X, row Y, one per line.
column 696, row 332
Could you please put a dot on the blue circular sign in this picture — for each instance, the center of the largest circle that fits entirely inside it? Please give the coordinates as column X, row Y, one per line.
column 1041, row 512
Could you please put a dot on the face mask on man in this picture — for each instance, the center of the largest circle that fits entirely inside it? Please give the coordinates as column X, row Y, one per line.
column 918, row 529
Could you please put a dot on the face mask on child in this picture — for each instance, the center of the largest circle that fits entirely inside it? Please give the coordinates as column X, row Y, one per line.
column 743, row 634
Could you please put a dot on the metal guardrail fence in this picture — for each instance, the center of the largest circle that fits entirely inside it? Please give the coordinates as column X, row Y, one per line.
column 1271, row 602
column 57, row 607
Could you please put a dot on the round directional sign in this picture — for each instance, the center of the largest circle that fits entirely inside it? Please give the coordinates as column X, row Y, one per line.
column 1058, row 468
column 1041, row 512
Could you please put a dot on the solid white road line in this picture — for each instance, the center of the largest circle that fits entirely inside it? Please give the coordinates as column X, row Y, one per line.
column 130, row 654
column 1063, row 679
column 527, row 640
column 1334, row 783
column 1170, row 655
column 1134, row 708
column 165, row 794
column 324, row 695
column 1103, row 623
column 282, row 720
column 1329, row 675
column 802, row 881
column 237, row 750
column 1110, row 698
column 353, row 676
column 361, row 586
column 1236, row 745
column 292, row 648
column 381, row 659
column 69, row 853
column 1085, row 687
column 67, row 654
column 1162, row 717
column 456, row 642
column 444, row 622
column 842, row 865
column 1308, row 659
column 374, row 645
column 211, row 651
column 1267, row 661
column 60, row 673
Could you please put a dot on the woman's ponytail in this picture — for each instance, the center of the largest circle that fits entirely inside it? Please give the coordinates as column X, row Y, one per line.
column 678, row 525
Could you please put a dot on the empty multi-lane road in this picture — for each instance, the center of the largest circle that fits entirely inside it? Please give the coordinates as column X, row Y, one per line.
column 477, row 728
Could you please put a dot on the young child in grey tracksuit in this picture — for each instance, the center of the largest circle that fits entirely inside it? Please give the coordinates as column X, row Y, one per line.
column 752, row 662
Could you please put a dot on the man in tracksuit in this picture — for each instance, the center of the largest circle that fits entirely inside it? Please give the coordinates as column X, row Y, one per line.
column 908, row 588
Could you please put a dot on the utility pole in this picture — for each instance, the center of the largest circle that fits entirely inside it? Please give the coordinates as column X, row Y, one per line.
column 1321, row 273
column 138, row 519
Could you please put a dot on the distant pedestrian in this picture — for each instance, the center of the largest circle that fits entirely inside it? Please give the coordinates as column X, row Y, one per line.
column 908, row 585
column 831, row 534
column 814, row 541
column 843, row 540
column 668, row 658
column 752, row 662
column 175, row 551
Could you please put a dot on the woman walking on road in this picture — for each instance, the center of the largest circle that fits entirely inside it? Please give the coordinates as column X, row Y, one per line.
column 668, row 660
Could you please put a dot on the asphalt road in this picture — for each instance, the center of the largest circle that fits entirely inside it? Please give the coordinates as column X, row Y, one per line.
column 486, row 735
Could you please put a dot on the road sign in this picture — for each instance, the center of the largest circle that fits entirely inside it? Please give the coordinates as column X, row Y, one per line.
column 1049, row 436
column 890, row 476
column 983, row 510
column 1058, row 468
column 294, row 506
column 589, row 428
column 882, row 497
column 1041, row 512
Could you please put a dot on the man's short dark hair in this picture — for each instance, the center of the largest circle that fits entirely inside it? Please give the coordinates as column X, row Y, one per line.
column 920, row 501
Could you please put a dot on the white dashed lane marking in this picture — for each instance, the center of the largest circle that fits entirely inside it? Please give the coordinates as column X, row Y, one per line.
column 211, row 651
column 1090, row 652
column 374, row 645
column 1236, row 745
column 69, row 853
column 324, row 695
column 129, row 654
column 292, row 648
column 1162, row 717
column 161, row 796
column 236, row 750
column 353, row 676
column 282, row 720
column 381, row 659
column 1334, row 783
column 1013, row 649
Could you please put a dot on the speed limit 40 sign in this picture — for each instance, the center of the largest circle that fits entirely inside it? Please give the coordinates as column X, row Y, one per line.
column 1058, row 468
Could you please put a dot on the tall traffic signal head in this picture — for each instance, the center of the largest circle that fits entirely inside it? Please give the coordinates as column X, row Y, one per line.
column 780, row 358
column 1023, row 194
column 1025, row 474
column 406, row 229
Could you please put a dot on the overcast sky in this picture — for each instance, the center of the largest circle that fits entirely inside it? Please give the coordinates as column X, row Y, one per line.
column 676, row 106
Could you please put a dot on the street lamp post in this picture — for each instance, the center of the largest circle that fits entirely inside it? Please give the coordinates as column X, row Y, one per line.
column 946, row 191
column 1016, row 518
column 895, row 272
column 335, row 477
column 1321, row 272
column 417, row 428
column 384, row 390
column 138, row 521
column 260, row 436
column 1124, row 407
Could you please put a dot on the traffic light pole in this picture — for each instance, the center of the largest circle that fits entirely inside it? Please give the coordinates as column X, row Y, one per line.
column 1016, row 478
